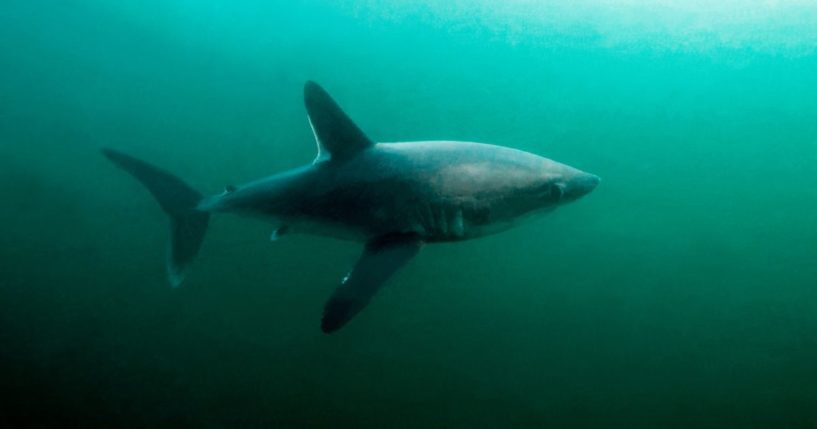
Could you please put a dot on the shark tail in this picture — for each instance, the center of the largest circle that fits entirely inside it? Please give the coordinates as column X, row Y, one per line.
column 179, row 201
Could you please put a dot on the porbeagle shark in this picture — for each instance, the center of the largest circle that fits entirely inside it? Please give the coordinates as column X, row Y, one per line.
column 394, row 197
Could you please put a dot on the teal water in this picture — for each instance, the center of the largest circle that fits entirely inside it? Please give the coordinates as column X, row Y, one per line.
column 681, row 293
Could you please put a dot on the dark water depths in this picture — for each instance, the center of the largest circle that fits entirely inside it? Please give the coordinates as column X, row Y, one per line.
column 681, row 293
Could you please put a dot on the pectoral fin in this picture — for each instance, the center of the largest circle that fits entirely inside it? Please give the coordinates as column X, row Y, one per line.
column 381, row 258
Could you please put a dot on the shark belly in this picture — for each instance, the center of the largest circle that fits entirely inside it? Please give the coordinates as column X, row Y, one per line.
column 457, row 221
column 430, row 222
column 361, row 218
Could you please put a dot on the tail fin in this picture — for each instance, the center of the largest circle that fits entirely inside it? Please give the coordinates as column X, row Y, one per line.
column 179, row 201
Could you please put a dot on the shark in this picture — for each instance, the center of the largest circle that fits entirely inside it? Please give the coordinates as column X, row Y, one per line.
column 392, row 197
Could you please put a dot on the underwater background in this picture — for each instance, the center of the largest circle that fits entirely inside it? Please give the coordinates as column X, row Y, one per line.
column 681, row 293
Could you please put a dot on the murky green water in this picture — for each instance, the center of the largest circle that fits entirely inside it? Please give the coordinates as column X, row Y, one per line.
column 681, row 293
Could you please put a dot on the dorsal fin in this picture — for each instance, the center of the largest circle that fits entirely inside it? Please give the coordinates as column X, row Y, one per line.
column 337, row 136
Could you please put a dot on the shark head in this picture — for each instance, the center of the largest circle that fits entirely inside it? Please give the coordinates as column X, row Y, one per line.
column 572, row 184
column 547, row 184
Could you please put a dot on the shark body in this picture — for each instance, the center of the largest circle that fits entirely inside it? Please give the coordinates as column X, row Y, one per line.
column 394, row 197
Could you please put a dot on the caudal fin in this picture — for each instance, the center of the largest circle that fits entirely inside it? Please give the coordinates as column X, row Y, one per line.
column 179, row 201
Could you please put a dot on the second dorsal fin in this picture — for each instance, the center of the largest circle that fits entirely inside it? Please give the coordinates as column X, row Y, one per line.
column 337, row 136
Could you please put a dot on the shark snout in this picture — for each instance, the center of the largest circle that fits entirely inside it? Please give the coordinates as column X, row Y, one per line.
column 581, row 185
